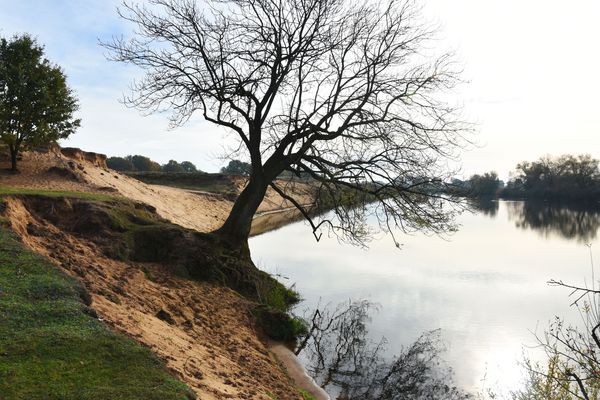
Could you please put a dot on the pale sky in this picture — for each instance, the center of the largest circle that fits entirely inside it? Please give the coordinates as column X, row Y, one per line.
column 532, row 70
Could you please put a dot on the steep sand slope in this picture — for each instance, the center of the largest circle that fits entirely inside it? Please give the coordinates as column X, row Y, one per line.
column 205, row 333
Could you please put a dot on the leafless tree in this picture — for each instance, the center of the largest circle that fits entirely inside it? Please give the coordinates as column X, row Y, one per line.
column 339, row 91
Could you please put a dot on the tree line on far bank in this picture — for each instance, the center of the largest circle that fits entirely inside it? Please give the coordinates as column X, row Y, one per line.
column 138, row 163
column 566, row 177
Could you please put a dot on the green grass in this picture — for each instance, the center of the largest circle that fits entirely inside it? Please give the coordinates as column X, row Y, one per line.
column 305, row 395
column 51, row 349
column 15, row 191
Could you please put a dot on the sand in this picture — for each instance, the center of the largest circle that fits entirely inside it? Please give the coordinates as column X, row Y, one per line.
column 204, row 333
column 191, row 209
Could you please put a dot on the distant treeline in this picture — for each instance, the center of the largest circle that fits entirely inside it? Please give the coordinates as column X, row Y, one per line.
column 138, row 163
column 566, row 177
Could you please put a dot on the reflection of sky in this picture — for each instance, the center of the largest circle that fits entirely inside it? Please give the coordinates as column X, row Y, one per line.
column 485, row 287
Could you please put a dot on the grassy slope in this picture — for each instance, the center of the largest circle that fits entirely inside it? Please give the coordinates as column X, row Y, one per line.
column 51, row 349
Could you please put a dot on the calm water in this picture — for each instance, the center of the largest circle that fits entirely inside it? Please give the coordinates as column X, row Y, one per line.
column 484, row 286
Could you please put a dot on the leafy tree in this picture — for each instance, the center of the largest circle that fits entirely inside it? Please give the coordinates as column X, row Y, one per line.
column 237, row 167
column 339, row 90
column 487, row 184
column 566, row 177
column 172, row 166
column 120, row 163
column 143, row 163
column 188, row 166
column 36, row 106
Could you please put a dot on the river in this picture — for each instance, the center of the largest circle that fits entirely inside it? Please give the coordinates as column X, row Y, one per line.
column 485, row 286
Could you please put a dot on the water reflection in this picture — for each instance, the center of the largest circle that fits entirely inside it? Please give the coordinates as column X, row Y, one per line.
column 485, row 286
column 487, row 207
column 573, row 222
column 344, row 360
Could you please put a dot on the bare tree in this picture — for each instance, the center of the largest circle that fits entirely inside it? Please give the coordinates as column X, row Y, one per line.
column 335, row 90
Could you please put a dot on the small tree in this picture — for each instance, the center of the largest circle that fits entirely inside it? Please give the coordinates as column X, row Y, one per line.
column 188, row 166
column 487, row 184
column 172, row 166
column 143, row 163
column 120, row 163
column 36, row 106
column 237, row 167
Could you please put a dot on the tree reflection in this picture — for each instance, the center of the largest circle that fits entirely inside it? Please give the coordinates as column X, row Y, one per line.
column 349, row 366
column 579, row 222
column 487, row 207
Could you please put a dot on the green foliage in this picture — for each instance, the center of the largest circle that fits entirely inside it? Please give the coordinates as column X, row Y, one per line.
column 119, row 163
column 138, row 163
column 305, row 395
column 172, row 166
column 484, row 185
column 143, row 163
column 51, row 349
column 279, row 325
column 237, row 167
column 564, row 177
column 36, row 106
column 132, row 163
column 188, row 166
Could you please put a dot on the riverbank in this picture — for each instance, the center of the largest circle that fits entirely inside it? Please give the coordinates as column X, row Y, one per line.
column 205, row 333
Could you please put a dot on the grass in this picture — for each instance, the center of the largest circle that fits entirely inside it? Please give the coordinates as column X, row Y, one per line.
column 50, row 348
column 15, row 191
column 305, row 395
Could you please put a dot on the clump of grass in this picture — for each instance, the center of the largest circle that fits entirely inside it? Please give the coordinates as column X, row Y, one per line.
column 305, row 395
column 278, row 325
column 50, row 348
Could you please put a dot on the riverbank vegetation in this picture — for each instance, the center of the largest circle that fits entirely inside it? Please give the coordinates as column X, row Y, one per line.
column 563, row 178
column 138, row 163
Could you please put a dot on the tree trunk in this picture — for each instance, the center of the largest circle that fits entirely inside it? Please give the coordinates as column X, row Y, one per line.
column 13, row 157
column 236, row 228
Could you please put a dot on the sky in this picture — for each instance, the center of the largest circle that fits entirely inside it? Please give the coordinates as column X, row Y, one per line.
column 531, row 71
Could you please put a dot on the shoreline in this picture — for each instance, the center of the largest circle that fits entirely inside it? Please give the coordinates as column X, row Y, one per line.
column 296, row 370
column 263, row 223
